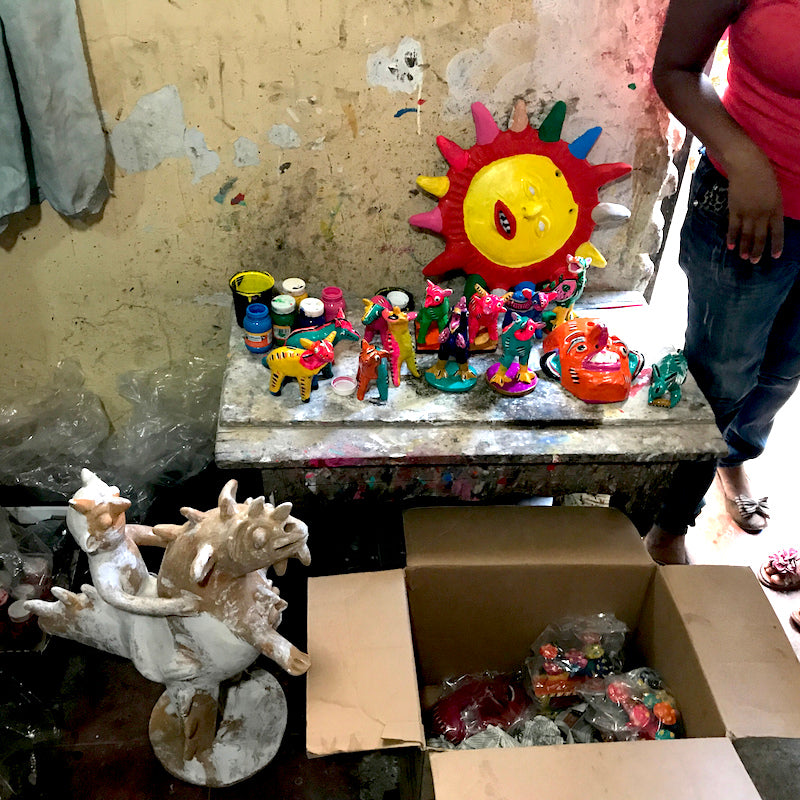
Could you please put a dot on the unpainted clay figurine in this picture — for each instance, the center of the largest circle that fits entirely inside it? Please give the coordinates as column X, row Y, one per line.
column 214, row 574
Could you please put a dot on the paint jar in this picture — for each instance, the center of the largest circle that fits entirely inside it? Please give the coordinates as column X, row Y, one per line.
column 311, row 314
column 296, row 287
column 257, row 328
column 398, row 296
column 250, row 286
column 283, row 311
column 333, row 300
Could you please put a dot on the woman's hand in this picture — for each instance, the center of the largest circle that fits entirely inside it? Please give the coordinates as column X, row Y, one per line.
column 755, row 210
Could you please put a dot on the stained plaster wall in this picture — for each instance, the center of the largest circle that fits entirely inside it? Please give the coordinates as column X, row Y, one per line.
column 325, row 161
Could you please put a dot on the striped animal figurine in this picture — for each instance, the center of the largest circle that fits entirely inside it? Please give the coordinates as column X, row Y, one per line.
column 302, row 362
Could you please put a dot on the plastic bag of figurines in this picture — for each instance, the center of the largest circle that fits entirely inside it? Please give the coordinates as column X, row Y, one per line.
column 633, row 705
column 572, row 657
column 489, row 709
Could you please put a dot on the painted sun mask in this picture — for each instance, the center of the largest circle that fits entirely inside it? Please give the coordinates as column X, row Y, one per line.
column 589, row 362
column 513, row 206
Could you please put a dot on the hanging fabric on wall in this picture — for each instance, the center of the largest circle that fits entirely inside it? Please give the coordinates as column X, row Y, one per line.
column 52, row 145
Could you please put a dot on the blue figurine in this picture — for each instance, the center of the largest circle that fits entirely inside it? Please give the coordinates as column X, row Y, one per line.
column 525, row 301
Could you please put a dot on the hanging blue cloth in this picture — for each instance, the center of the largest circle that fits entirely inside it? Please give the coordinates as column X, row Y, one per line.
column 52, row 145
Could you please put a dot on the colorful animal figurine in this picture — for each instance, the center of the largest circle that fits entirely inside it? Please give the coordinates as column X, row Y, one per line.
column 435, row 311
column 525, row 301
column 373, row 320
column 484, row 312
column 666, row 378
column 343, row 332
column 372, row 366
column 302, row 362
column 511, row 376
column 567, row 290
column 589, row 362
column 453, row 343
column 218, row 560
column 397, row 322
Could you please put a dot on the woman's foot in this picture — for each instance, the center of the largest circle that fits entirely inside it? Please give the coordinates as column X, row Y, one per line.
column 665, row 548
column 749, row 514
column 780, row 571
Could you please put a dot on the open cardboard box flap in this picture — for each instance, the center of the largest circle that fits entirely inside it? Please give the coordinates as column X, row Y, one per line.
column 361, row 693
column 742, row 649
column 703, row 769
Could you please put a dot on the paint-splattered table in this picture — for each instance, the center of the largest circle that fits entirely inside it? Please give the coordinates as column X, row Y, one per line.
column 477, row 446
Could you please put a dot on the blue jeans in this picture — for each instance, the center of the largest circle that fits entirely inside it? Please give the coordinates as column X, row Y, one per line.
column 742, row 335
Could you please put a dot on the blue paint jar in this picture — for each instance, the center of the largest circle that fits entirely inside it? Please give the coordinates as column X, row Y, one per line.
column 257, row 326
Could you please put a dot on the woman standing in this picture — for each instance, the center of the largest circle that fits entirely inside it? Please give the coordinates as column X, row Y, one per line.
column 740, row 243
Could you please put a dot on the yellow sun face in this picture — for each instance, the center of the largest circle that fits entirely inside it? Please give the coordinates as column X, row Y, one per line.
column 519, row 209
column 517, row 203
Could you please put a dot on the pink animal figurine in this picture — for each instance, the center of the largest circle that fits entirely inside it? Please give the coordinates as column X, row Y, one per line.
column 484, row 312
column 403, row 353
column 302, row 364
column 372, row 366
column 373, row 320
column 435, row 311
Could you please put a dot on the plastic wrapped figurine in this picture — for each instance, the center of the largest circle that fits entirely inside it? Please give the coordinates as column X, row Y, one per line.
column 453, row 343
column 472, row 703
column 433, row 317
column 208, row 615
column 666, row 378
column 572, row 656
column 511, row 375
column 589, row 362
column 634, row 705
column 302, row 362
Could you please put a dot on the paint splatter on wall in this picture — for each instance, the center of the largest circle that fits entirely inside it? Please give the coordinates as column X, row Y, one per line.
column 245, row 152
column 400, row 71
column 283, row 136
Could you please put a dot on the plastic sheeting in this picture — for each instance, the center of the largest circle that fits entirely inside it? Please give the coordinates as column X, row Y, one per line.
column 51, row 139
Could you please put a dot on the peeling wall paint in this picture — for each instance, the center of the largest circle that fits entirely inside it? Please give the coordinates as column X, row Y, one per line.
column 401, row 71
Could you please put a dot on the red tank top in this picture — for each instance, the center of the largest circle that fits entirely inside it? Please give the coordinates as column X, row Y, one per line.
column 763, row 93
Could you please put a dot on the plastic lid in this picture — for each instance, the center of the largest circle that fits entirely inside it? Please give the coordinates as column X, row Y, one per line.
column 18, row 613
column 312, row 307
column 397, row 298
column 294, row 285
column 284, row 304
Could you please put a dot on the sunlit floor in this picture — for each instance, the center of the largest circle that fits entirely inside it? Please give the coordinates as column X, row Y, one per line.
column 715, row 539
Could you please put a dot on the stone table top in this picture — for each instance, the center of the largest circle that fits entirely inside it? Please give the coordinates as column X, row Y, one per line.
column 420, row 424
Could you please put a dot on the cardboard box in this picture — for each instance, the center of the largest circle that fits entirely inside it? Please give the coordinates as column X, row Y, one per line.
column 480, row 585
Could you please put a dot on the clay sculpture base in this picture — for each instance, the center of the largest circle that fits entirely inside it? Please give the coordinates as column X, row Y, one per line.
column 452, row 382
column 513, row 387
column 247, row 738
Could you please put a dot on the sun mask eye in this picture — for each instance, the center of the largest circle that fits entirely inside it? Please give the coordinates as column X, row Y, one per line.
column 504, row 220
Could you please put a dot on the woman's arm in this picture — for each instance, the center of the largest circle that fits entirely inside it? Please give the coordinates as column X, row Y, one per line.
column 691, row 32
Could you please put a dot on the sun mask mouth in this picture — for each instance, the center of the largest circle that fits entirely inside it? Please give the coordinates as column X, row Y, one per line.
column 504, row 220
